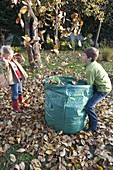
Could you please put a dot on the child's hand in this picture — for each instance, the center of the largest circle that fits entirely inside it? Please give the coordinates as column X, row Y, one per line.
column 19, row 57
column 3, row 81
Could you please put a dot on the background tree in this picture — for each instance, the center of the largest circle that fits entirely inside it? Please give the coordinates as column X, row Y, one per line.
column 106, row 32
column 34, row 10
column 92, row 13
column 7, row 20
column 29, row 22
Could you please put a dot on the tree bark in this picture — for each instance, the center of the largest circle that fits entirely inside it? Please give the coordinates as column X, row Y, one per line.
column 36, row 44
column 98, row 33
column 33, row 48
column 28, row 47
column 56, row 32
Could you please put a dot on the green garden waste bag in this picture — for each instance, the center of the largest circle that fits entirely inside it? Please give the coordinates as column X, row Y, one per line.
column 64, row 103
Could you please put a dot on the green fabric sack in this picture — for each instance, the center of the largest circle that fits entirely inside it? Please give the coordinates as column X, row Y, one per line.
column 64, row 104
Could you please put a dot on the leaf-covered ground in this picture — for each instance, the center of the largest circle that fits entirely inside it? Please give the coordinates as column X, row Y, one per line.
column 27, row 143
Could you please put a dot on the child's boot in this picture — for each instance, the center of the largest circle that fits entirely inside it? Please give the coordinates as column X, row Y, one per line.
column 15, row 106
column 20, row 98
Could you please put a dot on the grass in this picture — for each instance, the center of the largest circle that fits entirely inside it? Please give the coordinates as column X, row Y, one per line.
column 107, row 54
column 6, row 164
column 5, row 157
column 72, row 58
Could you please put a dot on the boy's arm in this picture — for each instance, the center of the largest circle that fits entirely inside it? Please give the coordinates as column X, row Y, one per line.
column 90, row 77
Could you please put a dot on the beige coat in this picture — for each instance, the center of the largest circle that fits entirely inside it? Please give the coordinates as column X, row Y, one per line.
column 11, row 75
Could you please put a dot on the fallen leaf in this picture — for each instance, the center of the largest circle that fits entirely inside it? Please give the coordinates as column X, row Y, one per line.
column 12, row 158
column 21, row 150
column 49, row 152
column 22, row 165
column 63, row 152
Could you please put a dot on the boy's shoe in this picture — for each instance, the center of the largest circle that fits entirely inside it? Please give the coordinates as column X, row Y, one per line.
column 89, row 130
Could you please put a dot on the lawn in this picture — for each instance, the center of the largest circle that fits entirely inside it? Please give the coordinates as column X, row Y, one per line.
column 27, row 143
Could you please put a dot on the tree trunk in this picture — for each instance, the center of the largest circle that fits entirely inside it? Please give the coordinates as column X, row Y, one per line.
column 56, row 30
column 30, row 56
column 33, row 48
column 96, row 41
column 36, row 45
column 29, row 47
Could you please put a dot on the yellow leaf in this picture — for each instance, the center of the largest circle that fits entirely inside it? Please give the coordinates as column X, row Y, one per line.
column 74, row 15
column 11, row 139
column 28, row 14
column 25, row 43
column 18, row 140
column 54, row 150
column 8, row 107
column 48, row 144
column 49, row 15
column 99, row 168
column 58, row 24
column 26, row 38
column 23, row 10
column 81, row 136
column 67, row 70
column 69, row 165
column 32, row 153
column 63, row 43
column 37, row 169
column 55, row 47
column 22, row 133
column 35, row 162
column 58, row 1
column 49, row 152
column 43, row 148
column 42, row 9
column 19, row 15
column 72, row 148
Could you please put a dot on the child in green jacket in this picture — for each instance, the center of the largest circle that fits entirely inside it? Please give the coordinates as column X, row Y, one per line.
column 96, row 76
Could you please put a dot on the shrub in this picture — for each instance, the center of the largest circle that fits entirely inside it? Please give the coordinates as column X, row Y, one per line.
column 107, row 54
column 64, row 46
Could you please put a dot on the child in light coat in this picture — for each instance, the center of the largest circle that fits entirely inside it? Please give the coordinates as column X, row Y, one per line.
column 15, row 73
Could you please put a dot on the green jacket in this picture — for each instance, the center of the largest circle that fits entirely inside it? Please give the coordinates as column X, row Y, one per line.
column 97, row 76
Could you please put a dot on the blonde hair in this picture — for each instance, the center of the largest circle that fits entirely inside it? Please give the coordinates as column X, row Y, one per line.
column 7, row 49
column 92, row 52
